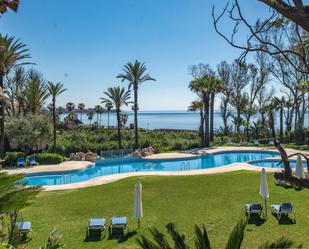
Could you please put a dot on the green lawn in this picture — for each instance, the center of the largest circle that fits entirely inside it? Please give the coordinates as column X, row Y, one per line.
column 214, row 200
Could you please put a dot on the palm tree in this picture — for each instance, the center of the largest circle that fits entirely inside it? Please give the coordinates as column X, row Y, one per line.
column 6, row 5
column 35, row 94
column 70, row 107
column 97, row 111
column 201, row 239
column 194, row 106
column 90, row 116
column 279, row 104
column 60, row 111
column 108, row 106
column 304, row 87
column 55, row 89
column 217, row 87
column 12, row 53
column 101, row 111
column 81, row 107
column 123, row 119
column 117, row 97
column 203, row 86
column 135, row 74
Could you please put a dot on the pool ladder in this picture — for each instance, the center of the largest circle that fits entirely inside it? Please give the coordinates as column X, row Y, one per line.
column 185, row 166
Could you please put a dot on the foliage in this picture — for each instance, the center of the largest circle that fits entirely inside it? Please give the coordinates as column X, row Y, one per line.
column 282, row 243
column 11, row 158
column 54, row 241
column 30, row 133
column 48, row 158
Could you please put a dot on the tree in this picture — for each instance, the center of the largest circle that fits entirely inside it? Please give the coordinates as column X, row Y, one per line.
column 35, row 95
column 81, row 107
column 203, row 86
column 70, row 106
column 6, row 5
column 55, row 89
column 123, row 119
column 108, row 106
column 90, row 117
column 97, row 111
column 197, row 105
column 258, row 38
column 279, row 104
column 117, row 97
column 12, row 53
column 135, row 74
column 60, row 110
column 224, row 72
column 304, row 87
column 30, row 133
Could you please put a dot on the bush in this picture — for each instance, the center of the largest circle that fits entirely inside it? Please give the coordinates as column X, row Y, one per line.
column 11, row 158
column 49, row 158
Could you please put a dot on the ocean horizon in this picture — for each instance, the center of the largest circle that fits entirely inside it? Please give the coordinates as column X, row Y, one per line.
column 152, row 120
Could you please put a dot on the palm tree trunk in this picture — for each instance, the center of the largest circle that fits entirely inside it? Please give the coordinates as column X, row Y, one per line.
column 206, row 112
column 202, row 126
column 212, row 104
column 135, row 118
column 118, row 128
column 308, row 110
column 81, row 116
column 281, row 125
column 107, row 118
column 1, row 117
column 54, row 122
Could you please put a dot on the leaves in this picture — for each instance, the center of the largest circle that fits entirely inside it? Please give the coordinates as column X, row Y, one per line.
column 237, row 235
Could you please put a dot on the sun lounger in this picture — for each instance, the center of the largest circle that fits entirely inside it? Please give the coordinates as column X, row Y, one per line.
column 95, row 224
column 32, row 161
column 283, row 209
column 21, row 161
column 253, row 209
column 118, row 223
column 24, row 228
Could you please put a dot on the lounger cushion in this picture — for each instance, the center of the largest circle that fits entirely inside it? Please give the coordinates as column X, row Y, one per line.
column 253, row 207
column 96, row 222
column 119, row 221
column 24, row 226
column 286, row 207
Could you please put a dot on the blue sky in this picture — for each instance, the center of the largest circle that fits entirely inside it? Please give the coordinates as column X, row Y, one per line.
column 85, row 46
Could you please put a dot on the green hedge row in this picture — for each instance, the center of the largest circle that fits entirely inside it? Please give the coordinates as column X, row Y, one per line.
column 44, row 158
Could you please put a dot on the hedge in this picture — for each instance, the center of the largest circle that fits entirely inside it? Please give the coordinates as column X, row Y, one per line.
column 49, row 158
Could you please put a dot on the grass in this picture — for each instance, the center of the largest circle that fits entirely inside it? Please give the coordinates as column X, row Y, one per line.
column 214, row 200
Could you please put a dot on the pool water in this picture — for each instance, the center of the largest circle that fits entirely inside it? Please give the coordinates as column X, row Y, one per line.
column 138, row 165
column 274, row 163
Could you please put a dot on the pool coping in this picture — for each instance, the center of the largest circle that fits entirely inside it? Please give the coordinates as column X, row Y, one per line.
column 73, row 166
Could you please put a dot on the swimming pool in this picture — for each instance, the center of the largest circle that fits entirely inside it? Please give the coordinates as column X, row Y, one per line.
column 274, row 163
column 139, row 165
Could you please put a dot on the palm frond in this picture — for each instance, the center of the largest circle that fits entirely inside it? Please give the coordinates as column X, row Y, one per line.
column 237, row 235
column 201, row 238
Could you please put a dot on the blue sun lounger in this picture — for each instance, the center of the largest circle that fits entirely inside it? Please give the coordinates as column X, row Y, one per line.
column 21, row 161
column 253, row 209
column 118, row 223
column 285, row 208
column 24, row 228
column 32, row 161
column 95, row 224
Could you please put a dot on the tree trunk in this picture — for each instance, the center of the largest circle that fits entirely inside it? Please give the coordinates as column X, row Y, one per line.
column 1, row 117
column 107, row 118
column 202, row 126
column 284, row 156
column 135, row 118
column 206, row 113
column 281, row 125
column 118, row 128
column 54, row 122
column 238, row 120
column 308, row 110
column 212, row 104
column 81, row 116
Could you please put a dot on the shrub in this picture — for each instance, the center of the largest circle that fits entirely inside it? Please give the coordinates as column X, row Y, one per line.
column 49, row 158
column 11, row 158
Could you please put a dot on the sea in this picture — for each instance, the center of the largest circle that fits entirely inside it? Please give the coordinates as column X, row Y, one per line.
column 162, row 119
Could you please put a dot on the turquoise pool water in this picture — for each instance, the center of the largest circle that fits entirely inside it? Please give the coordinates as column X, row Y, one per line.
column 138, row 165
column 274, row 163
